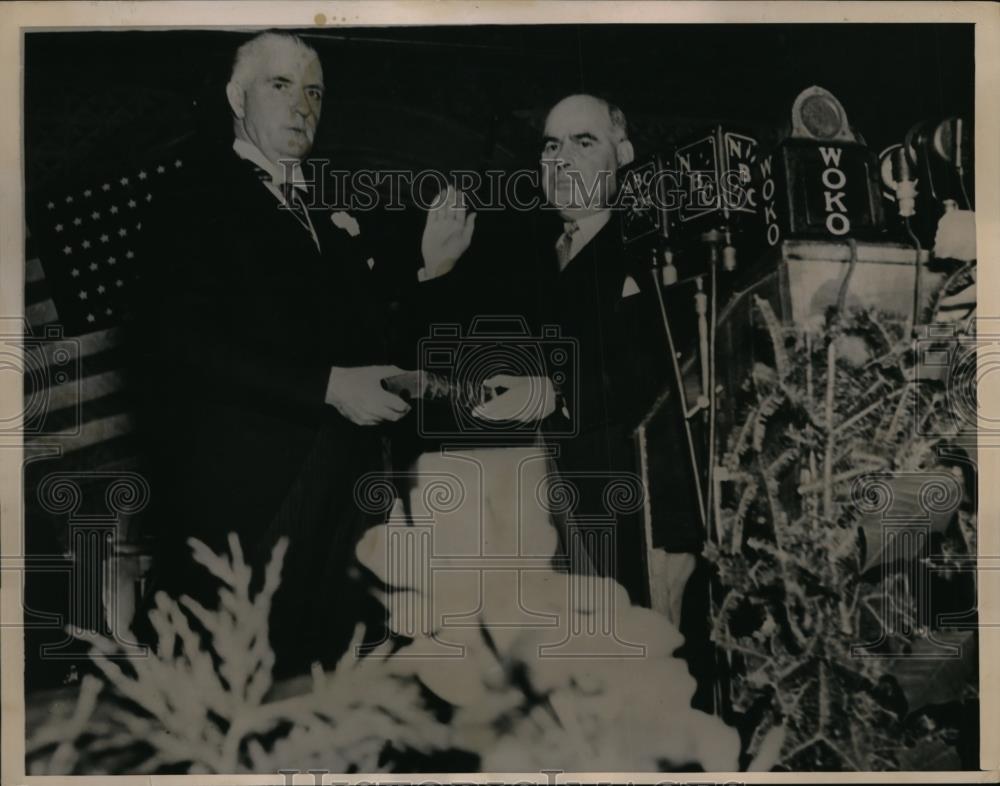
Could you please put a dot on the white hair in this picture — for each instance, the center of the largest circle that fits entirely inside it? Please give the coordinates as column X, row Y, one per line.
column 247, row 54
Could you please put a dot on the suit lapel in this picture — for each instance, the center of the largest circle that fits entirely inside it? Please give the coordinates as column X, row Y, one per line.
column 259, row 200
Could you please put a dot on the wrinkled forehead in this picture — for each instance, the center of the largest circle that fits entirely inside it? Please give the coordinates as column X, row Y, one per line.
column 578, row 115
column 282, row 57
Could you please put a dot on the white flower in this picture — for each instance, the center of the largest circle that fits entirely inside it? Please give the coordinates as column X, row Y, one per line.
column 346, row 222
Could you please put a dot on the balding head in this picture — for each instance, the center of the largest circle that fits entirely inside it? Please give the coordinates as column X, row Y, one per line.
column 586, row 141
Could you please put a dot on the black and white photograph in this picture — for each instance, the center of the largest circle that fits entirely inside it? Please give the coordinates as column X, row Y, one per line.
column 540, row 396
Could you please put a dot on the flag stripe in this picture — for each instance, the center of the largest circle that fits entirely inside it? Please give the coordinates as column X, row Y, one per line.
column 72, row 420
column 65, row 367
column 40, row 313
column 33, row 270
column 45, row 336
column 96, row 386
column 92, row 432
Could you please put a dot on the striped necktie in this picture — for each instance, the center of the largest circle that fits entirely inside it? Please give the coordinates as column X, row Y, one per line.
column 564, row 246
column 293, row 200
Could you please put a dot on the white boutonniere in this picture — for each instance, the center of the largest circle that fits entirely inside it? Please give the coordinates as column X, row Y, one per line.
column 346, row 222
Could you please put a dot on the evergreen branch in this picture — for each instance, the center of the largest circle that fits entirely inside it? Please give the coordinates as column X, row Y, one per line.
column 831, row 376
column 840, row 478
column 841, row 427
column 774, row 330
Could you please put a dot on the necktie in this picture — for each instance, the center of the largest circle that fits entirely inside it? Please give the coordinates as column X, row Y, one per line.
column 564, row 245
column 293, row 201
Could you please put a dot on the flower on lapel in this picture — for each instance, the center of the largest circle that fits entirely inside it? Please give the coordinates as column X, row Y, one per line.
column 346, row 222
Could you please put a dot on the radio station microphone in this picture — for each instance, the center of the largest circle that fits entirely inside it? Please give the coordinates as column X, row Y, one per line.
column 898, row 174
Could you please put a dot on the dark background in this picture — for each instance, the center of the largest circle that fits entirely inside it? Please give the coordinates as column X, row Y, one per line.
column 470, row 97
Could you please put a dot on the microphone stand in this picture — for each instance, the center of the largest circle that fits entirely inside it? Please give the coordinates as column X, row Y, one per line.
column 706, row 311
column 679, row 382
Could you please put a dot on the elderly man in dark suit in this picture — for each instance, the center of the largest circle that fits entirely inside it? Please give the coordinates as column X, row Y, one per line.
column 267, row 347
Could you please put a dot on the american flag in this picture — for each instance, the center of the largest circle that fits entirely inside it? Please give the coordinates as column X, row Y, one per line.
column 86, row 249
column 85, row 253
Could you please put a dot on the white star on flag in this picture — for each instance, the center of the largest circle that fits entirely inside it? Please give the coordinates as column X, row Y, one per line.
column 149, row 197
column 107, row 311
column 77, row 221
column 69, row 200
column 90, row 317
column 104, row 238
column 178, row 163
column 51, row 205
column 131, row 203
column 118, row 282
column 67, row 250
column 85, row 244
column 93, row 266
column 114, row 209
column 129, row 255
column 160, row 169
column 100, row 289
column 106, row 187
column 75, row 272
column 142, row 174
column 112, row 260
column 59, row 227
column 95, row 215
column 83, row 294
column 87, row 193
column 124, row 181
column 122, row 232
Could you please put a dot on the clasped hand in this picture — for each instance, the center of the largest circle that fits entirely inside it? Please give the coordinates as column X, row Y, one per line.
column 358, row 395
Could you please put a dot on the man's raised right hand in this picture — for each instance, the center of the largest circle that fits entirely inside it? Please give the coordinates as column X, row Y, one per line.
column 447, row 233
column 358, row 395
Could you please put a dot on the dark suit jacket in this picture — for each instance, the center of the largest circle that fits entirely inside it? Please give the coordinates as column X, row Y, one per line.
column 244, row 319
column 620, row 364
column 624, row 369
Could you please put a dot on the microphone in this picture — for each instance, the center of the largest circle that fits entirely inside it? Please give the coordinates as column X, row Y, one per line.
column 898, row 175
column 943, row 151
